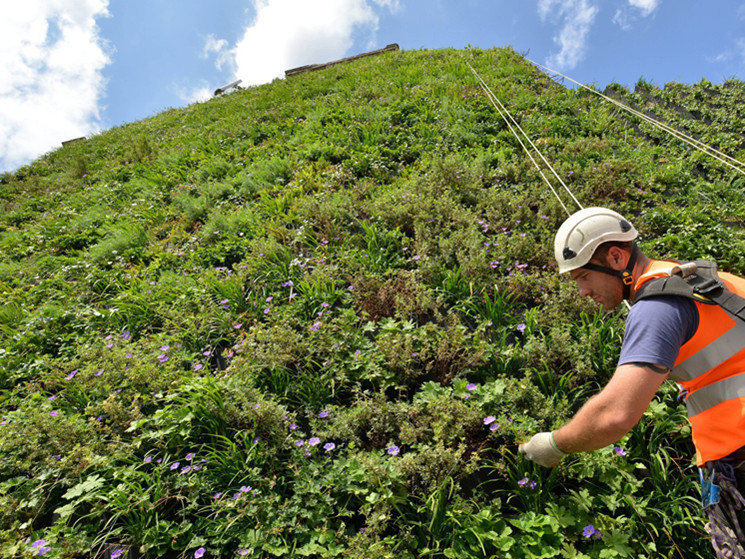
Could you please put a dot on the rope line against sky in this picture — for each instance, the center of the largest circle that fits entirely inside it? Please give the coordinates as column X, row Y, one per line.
column 730, row 161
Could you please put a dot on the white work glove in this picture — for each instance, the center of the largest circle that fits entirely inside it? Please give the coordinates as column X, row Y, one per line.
column 542, row 449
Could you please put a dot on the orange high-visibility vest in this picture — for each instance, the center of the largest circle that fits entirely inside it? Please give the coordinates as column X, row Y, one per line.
column 710, row 367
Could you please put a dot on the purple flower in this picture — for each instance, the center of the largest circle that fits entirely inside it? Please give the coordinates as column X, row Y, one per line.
column 313, row 441
column 293, row 426
column 521, row 327
column 590, row 531
column 242, row 551
column 198, row 366
column 165, row 348
column 246, row 489
column 471, row 387
column 72, row 374
column 328, row 447
column 44, row 550
column 489, row 420
column 126, row 336
column 147, row 459
column 315, row 326
column 175, row 465
column 162, row 358
column 493, row 426
column 619, row 451
column 323, row 414
column 54, row 413
column 529, row 483
column 199, row 552
column 237, row 326
column 299, row 443
column 98, row 374
column 217, row 495
column 185, row 469
column 38, row 543
column 116, row 554
column 393, row 450
column 190, row 456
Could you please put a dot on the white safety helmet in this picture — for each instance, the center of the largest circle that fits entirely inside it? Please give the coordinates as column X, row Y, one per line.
column 583, row 232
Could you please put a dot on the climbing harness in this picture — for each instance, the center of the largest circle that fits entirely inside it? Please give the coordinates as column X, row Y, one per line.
column 731, row 162
column 722, row 501
column 697, row 280
column 724, row 505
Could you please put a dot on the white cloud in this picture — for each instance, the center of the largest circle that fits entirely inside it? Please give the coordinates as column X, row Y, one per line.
column 218, row 48
column 645, row 7
column 286, row 34
column 627, row 15
column 194, row 94
column 576, row 18
column 733, row 55
column 51, row 81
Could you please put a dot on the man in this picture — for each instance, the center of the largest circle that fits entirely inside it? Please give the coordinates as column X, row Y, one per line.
column 669, row 333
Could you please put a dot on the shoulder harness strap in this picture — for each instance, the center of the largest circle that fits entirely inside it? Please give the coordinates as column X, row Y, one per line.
column 697, row 280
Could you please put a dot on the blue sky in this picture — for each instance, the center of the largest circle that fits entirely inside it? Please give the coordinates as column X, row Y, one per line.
column 71, row 68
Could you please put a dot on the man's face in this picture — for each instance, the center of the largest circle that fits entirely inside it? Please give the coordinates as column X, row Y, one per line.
column 600, row 287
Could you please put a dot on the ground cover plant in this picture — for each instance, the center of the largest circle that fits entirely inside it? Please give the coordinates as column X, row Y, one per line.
column 315, row 318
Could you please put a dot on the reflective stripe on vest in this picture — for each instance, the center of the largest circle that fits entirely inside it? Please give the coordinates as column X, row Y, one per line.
column 720, row 350
column 710, row 367
column 713, row 394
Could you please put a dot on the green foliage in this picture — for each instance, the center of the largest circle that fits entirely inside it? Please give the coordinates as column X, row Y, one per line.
column 315, row 318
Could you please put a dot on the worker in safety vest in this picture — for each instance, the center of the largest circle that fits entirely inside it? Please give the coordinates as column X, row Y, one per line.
column 696, row 343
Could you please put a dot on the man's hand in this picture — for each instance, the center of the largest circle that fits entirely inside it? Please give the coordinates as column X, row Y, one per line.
column 543, row 450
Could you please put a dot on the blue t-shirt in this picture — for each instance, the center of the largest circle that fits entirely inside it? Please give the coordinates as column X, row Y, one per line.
column 656, row 328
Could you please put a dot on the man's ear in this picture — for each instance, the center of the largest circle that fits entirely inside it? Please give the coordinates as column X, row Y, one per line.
column 617, row 258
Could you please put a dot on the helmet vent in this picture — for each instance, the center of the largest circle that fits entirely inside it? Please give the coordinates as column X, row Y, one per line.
column 569, row 253
column 625, row 226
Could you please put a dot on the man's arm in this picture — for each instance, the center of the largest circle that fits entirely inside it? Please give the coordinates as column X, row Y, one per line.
column 610, row 414
column 604, row 419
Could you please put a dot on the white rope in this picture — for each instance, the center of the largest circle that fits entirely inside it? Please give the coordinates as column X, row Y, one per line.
column 504, row 113
column 693, row 142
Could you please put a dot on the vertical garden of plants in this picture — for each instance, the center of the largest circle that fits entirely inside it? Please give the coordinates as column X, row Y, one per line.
column 316, row 317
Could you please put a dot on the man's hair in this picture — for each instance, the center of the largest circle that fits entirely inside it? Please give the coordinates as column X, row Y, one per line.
column 602, row 251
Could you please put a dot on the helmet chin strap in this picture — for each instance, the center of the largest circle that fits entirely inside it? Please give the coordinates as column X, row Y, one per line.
column 627, row 275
